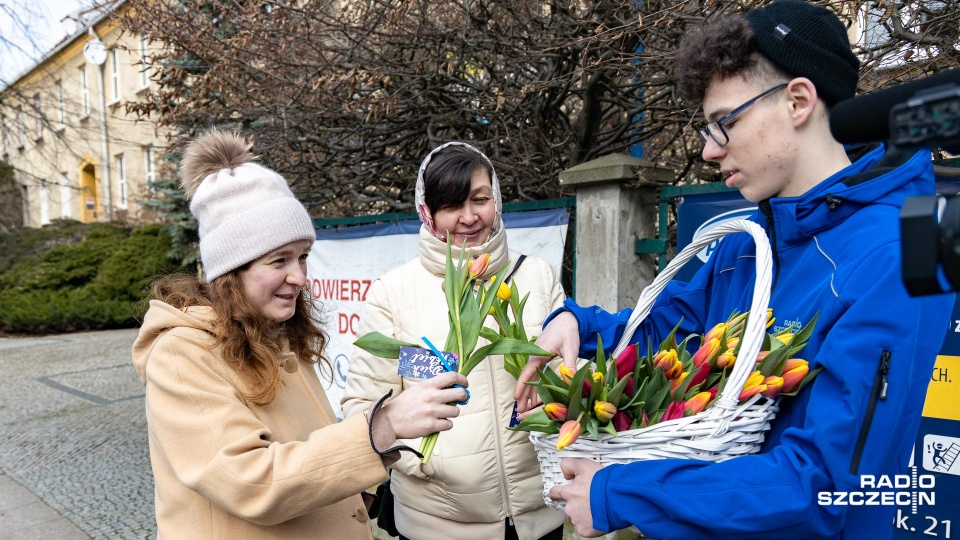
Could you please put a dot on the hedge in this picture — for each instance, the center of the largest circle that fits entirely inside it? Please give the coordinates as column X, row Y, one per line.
column 70, row 276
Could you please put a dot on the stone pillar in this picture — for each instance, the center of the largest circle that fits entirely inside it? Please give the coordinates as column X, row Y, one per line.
column 610, row 218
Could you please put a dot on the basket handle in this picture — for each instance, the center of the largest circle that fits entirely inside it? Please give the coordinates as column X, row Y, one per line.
column 752, row 338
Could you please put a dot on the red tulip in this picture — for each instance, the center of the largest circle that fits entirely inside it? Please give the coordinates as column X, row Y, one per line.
column 674, row 410
column 700, row 375
column 626, row 362
column 621, row 422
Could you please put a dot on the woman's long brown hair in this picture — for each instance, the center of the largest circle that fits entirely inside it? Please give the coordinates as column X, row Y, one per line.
column 251, row 342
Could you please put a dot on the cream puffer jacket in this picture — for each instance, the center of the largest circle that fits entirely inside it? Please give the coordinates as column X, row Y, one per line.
column 480, row 473
column 226, row 468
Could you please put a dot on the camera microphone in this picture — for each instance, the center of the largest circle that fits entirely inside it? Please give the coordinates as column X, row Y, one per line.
column 916, row 114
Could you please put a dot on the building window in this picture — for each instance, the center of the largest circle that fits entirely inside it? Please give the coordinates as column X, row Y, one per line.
column 84, row 93
column 22, row 137
column 144, row 73
column 66, row 197
column 44, row 204
column 61, row 106
column 38, row 112
column 150, row 175
column 115, row 72
column 122, row 181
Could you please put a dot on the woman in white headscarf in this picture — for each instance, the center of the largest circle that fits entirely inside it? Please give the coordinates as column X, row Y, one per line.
column 483, row 480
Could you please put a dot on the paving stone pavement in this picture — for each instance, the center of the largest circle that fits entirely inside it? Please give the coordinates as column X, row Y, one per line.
column 73, row 433
column 74, row 458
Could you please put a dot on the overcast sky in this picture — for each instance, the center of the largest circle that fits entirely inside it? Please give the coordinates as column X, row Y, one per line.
column 29, row 29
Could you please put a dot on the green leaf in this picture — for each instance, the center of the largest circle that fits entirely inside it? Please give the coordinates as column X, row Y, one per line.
column 774, row 362
column 489, row 334
column 471, row 321
column 593, row 427
column 537, row 421
column 574, row 405
column 802, row 336
column 553, row 394
column 671, row 341
column 380, row 345
column 613, row 396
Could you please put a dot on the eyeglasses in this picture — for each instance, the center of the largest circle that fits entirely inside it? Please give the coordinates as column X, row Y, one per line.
column 714, row 130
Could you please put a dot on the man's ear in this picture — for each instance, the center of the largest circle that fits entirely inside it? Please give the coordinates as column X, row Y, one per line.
column 802, row 97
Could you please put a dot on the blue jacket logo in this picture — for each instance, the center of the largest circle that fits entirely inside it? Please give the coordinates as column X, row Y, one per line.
column 732, row 215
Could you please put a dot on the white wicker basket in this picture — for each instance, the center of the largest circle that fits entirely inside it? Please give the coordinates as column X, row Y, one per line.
column 725, row 430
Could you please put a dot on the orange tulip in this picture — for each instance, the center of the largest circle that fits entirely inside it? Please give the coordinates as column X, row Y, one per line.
column 794, row 372
column 604, row 410
column 707, row 352
column 717, row 332
column 774, row 384
column 566, row 374
column 556, row 411
column 674, row 384
column 726, row 360
column 753, row 386
column 569, row 432
column 698, row 402
column 478, row 265
column 667, row 361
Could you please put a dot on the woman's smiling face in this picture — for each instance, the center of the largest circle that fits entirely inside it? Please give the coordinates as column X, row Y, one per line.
column 472, row 220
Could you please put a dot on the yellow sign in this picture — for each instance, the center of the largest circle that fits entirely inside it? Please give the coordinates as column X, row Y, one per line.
column 943, row 389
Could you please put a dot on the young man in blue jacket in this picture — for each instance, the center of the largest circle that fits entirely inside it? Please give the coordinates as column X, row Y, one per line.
column 766, row 81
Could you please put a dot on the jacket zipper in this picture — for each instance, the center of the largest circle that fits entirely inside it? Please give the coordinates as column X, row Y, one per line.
column 772, row 230
column 496, row 433
column 879, row 391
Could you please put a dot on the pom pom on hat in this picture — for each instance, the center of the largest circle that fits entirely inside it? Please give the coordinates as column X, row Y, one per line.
column 807, row 41
column 244, row 210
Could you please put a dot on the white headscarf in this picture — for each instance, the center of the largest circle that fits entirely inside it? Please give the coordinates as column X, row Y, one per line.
column 424, row 211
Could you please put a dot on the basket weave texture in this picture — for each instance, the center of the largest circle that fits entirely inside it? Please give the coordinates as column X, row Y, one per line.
column 725, row 430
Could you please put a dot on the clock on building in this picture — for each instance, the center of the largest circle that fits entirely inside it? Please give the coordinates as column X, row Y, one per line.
column 95, row 52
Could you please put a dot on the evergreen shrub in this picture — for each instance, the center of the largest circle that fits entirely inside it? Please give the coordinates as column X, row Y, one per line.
column 70, row 276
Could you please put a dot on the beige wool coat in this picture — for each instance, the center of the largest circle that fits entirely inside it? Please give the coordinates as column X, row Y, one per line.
column 480, row 474
column 225, row 468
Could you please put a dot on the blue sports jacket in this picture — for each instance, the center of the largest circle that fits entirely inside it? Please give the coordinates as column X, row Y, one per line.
column 836, row 251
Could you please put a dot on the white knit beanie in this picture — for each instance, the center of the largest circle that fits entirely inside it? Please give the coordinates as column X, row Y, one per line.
column 244, row 210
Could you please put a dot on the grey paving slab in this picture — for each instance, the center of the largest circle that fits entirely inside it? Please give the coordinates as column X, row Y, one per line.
column 73, row 433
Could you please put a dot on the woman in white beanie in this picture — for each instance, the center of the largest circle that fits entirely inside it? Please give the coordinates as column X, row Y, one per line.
column 243, row 441
column 482, row 481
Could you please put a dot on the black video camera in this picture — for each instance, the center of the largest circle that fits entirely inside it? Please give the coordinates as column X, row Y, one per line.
column 922, row 114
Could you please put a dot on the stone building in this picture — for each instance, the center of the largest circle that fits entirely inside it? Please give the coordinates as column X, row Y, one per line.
column 75, row 151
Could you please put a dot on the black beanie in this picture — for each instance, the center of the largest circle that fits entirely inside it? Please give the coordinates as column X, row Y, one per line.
column 807, row 41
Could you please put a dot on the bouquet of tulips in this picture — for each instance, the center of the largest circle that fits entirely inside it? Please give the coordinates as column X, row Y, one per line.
column 635, row 391
column 469, row 302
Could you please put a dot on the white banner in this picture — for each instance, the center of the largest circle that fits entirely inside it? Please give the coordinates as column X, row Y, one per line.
column 345, row 262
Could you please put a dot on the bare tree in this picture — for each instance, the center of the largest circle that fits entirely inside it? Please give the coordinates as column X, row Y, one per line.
column 345, row 98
